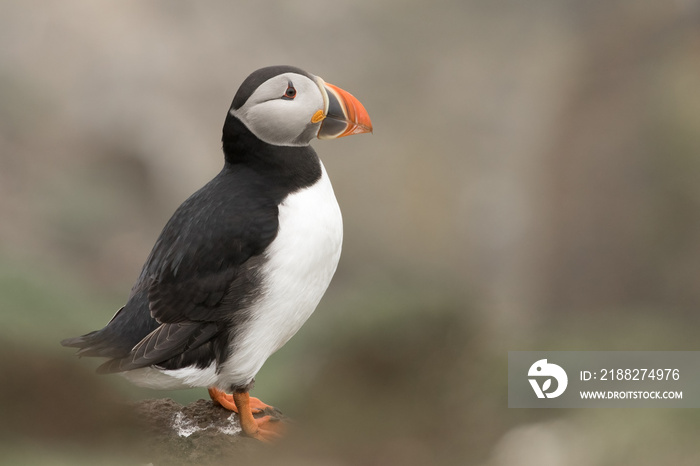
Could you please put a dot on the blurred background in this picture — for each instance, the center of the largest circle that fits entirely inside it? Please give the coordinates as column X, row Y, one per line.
column 532, row 184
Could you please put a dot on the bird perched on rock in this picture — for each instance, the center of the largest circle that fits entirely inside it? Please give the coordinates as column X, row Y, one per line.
column 243, row 262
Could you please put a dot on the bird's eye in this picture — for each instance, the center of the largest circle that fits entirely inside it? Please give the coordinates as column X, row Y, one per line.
column 290, row 93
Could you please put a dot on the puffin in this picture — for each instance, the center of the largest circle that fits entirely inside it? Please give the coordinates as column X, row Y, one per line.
column 245, row 260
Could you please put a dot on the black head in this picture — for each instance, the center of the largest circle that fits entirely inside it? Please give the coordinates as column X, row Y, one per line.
column 286, row 106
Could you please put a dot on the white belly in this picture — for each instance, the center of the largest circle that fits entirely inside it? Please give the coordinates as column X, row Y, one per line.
column 300, row 264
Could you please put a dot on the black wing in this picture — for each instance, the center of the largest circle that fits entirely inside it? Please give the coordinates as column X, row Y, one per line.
column 202, row 271
column 163, row 344
column 200, row 268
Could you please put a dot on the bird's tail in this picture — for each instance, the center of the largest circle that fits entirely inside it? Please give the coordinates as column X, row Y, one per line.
column 93, row 344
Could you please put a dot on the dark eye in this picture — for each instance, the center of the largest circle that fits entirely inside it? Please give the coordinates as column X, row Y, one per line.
column 290, row 93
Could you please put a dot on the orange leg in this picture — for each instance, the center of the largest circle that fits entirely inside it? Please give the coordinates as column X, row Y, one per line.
column 264, row 428
column 226, row 400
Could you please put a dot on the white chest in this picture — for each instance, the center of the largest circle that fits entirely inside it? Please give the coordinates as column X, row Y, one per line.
column 300, row 264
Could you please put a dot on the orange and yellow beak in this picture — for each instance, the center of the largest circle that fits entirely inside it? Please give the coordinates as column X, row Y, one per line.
column 344, row 114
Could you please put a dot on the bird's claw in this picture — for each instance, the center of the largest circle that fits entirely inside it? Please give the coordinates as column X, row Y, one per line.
column 269, row 428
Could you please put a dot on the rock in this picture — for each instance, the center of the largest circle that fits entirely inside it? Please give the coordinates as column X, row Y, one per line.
column 200, row 433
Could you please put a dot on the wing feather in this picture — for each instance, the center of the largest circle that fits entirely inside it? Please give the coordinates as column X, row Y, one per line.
column 202, row 258
column 162, row 344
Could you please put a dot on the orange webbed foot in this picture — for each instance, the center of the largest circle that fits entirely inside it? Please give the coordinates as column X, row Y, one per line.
column 264, row 428
column 226, row 400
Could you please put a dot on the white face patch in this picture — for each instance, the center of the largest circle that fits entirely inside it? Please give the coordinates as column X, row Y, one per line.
column 280, row 110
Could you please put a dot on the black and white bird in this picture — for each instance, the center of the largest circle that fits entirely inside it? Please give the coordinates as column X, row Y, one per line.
column 243, row 262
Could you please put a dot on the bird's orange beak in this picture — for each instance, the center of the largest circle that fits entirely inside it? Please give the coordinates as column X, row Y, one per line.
column 344, row 114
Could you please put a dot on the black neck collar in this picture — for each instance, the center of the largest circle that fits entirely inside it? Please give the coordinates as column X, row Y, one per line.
column 291, row 167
